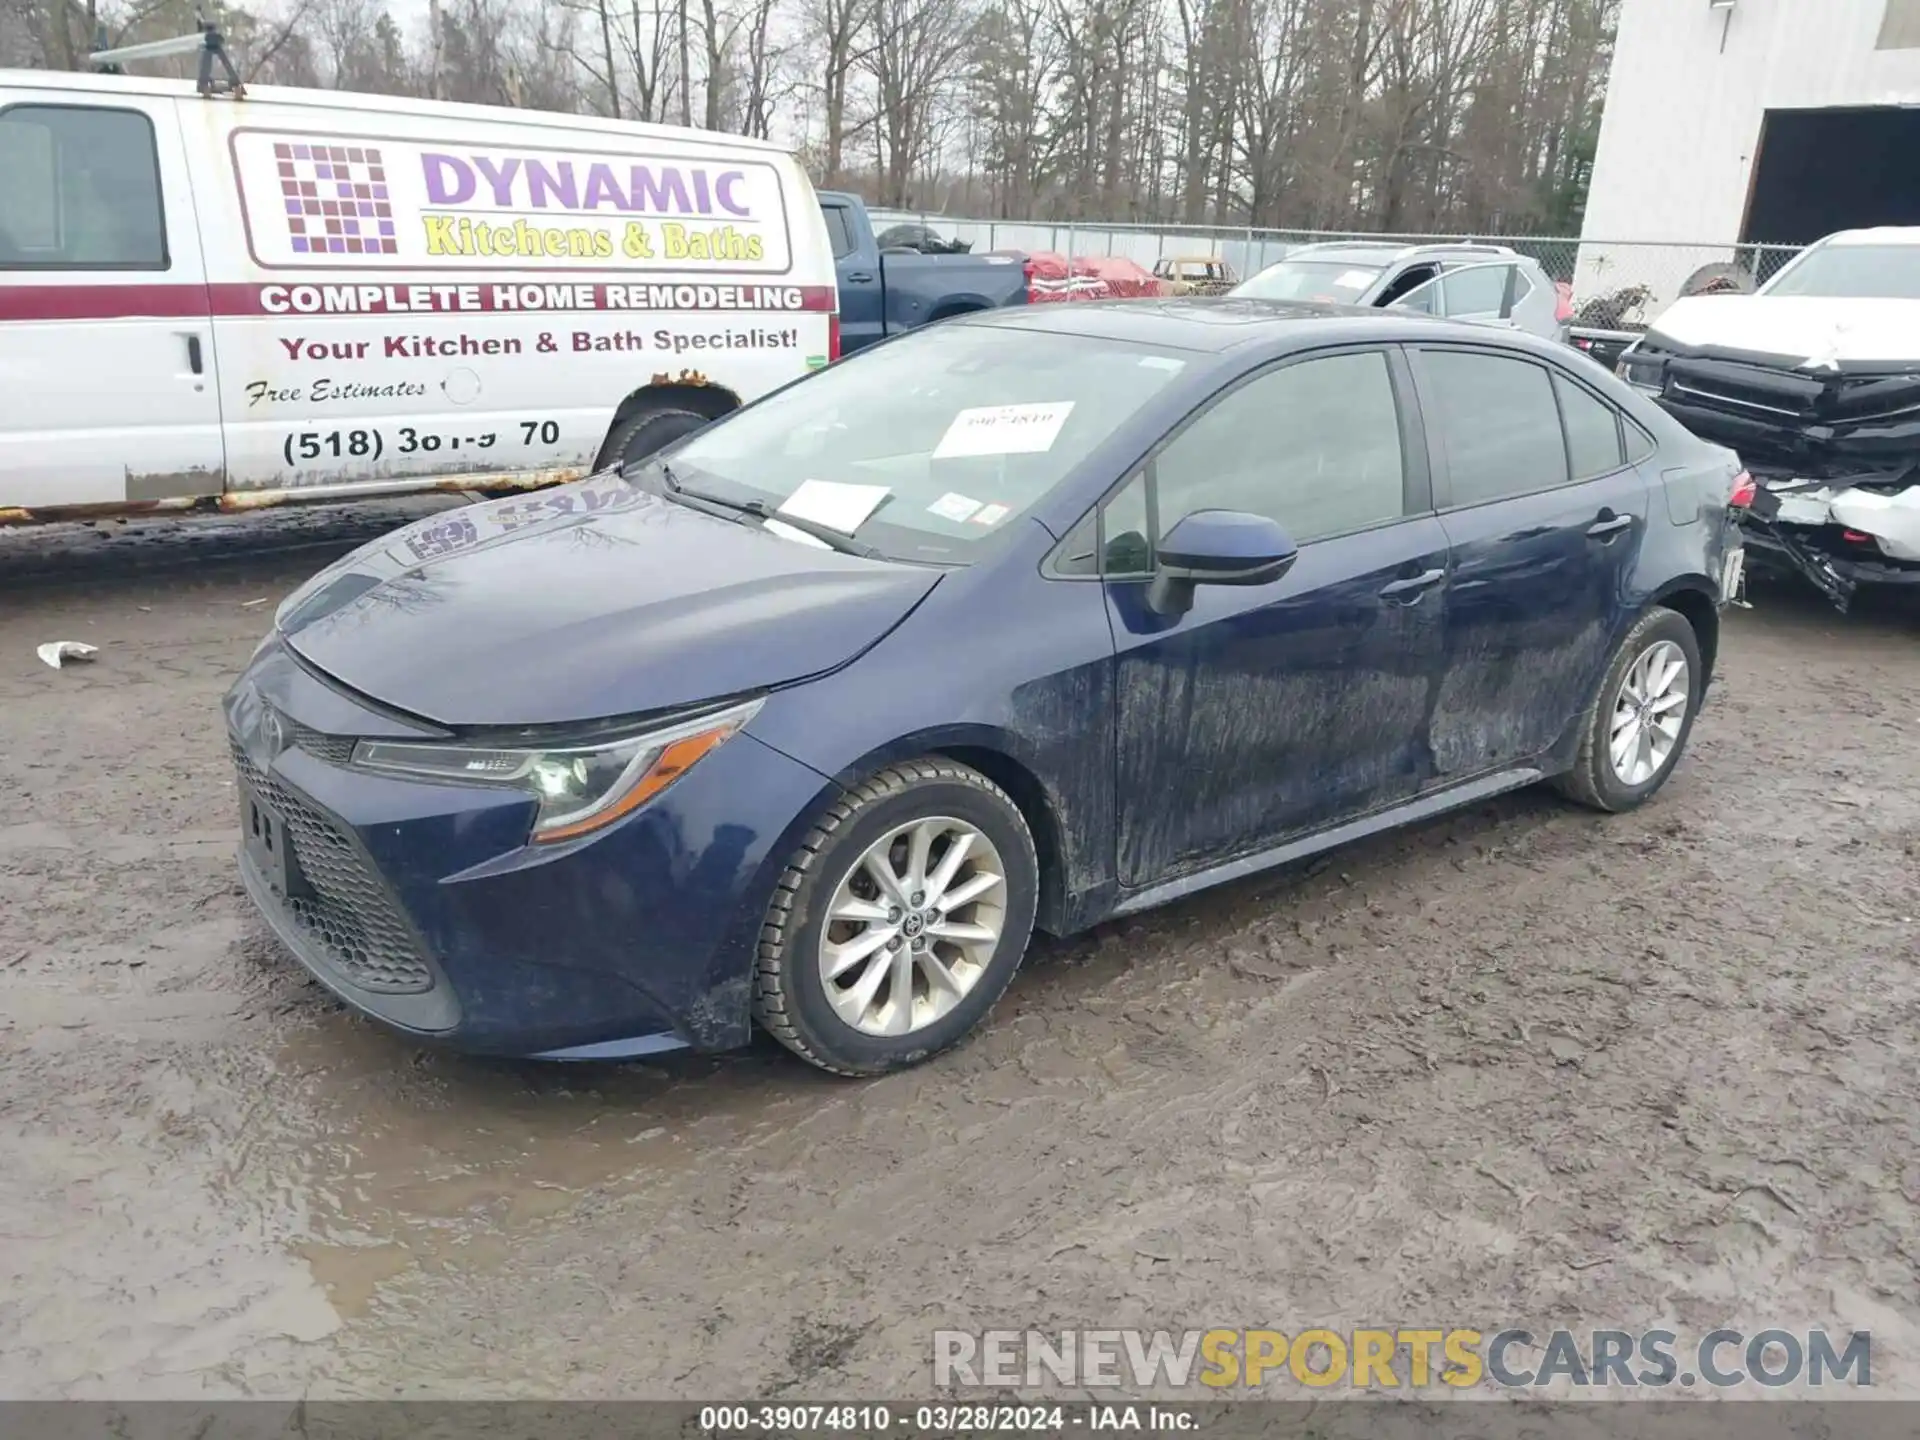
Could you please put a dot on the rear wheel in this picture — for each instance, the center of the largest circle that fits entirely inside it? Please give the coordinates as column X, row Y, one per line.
column 654, row 426
column 900, row 920
column 1637, row 727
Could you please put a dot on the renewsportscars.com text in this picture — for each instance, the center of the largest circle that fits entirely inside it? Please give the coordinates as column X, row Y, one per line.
column 1400, row 1358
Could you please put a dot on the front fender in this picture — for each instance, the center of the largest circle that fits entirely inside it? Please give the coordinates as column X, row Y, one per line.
column 1033, row 709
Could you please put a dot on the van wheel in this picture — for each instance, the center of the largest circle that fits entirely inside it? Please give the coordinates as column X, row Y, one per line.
column 899, row 921
column 1637, row 727
column 650, row 428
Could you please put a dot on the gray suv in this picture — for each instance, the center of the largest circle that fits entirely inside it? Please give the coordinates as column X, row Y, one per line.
column 1489, row 284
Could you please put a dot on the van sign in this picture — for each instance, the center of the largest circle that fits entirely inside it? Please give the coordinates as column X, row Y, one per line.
column 531, row 183
column 316, row 201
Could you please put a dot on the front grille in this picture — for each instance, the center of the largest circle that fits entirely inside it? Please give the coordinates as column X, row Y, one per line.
column 1806, row 396
column 1818, row 423
column 349, row 915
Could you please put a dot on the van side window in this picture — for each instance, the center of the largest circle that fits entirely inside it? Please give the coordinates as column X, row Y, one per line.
column 839, row 230
column 82, row 188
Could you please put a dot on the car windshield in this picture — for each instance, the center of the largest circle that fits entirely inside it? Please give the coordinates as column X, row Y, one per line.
column 1890, row 272
column 931, row 444
column 1339, row 281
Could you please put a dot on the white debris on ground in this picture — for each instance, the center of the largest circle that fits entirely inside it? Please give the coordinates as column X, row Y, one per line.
column 57, row 652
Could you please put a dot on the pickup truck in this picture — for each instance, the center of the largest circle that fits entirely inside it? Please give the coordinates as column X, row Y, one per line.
column 883, row 293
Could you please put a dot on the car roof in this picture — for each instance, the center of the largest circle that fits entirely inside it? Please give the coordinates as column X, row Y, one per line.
column 1381, row 252
column 1216, row 324
column 99, row 86
column 1876, row 235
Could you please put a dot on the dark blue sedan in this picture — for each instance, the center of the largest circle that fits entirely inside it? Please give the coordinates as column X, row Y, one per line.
column 1020, row 621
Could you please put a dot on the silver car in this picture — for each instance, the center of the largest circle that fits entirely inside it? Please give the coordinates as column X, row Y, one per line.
column 1490, row 284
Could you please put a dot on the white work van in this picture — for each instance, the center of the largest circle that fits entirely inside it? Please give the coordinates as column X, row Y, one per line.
column 220, row 299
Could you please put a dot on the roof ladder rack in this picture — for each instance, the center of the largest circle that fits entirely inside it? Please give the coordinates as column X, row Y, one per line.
column 206, row 42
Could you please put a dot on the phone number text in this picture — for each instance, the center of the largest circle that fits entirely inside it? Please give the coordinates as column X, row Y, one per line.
column 306, row 446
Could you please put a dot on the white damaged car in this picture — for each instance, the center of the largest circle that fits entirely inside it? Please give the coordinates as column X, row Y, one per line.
column 1815, row 381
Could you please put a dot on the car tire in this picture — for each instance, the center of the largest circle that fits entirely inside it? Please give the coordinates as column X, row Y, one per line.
column 651, row 428
column 829, row 876
column 1599, row 779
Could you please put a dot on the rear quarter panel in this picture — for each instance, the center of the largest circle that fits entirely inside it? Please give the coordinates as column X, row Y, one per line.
column 449, row 298
column 929, row 287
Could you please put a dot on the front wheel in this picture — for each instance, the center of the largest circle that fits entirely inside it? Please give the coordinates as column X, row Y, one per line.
column 899, row 921
column 1637, row 727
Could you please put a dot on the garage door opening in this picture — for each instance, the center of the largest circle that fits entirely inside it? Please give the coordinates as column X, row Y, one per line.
column 1819, row 171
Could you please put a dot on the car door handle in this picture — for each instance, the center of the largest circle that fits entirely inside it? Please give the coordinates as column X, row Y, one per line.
column 1609, row 525
column 1406, row 592
column 859, row 277
column 193, row 355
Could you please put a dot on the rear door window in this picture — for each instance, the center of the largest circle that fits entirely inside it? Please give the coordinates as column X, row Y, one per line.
column 1497, row 421
column 79, row 190
column 839, row 230
column 1478, row 290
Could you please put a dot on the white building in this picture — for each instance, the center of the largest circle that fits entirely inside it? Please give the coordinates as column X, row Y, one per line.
column 1733, row 122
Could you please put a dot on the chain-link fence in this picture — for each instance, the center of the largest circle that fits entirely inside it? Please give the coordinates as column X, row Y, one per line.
column 1617, row 284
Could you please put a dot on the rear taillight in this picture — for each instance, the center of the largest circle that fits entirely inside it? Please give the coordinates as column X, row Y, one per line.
column 833, row 336
column 1743, row 491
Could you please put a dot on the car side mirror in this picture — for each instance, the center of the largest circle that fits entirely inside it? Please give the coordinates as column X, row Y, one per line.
column 1217, row 547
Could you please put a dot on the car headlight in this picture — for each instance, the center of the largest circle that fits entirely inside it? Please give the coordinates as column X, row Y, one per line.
column 581, row 788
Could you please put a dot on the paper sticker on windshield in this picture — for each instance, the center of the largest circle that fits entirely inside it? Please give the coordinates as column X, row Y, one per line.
column 1161, row 362
column 827, row 502
column 787, row 532
column 1004, row 430
column 991, row 514
column 1353, row 280
column 953, row 507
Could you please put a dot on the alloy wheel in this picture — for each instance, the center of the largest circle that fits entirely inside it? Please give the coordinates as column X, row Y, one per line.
column 1648, row 713
column 912, row 926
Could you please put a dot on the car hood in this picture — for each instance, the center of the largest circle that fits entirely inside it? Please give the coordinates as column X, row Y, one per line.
column 1807, row 330
column 593, row 600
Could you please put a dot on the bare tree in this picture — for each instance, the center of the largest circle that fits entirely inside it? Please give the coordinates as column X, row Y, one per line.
column 1464, row 116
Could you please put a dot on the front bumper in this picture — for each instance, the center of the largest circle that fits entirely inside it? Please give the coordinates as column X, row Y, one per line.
column 1834, row 558
column 422, row 906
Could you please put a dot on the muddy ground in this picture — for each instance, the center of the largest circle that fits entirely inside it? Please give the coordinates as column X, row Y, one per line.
column 1523, row 1065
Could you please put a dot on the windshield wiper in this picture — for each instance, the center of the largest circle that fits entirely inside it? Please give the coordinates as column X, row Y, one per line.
column 763, row 512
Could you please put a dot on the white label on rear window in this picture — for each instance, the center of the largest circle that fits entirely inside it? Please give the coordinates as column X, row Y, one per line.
column 991, row 515
column 827, row 502
column 1004, row 430
column 953, row 507
column 1353, row 280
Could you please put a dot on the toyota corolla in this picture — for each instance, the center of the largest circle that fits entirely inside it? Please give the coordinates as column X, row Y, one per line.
column 1020, row 621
